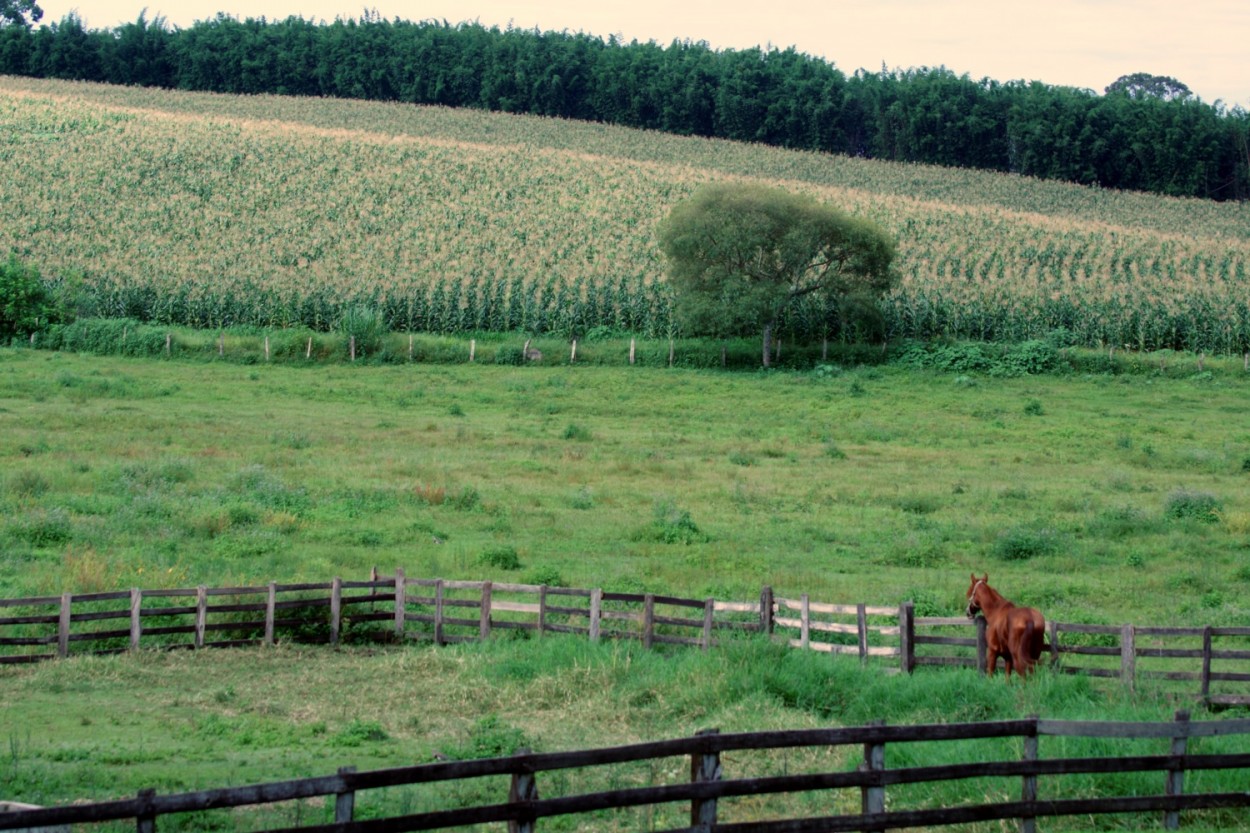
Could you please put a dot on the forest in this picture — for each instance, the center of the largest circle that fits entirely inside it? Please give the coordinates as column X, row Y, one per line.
column 1131, row 138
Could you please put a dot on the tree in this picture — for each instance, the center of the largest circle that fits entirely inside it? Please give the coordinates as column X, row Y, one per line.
column 15, row 11
column 1145, row 85
column 26, row 305
column 739, row 255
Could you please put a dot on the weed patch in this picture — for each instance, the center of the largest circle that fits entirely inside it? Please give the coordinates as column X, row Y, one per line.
column 1186, row 504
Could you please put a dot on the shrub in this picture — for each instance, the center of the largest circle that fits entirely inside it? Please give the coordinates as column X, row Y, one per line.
column 26, row 305
column 503, row 558
column 1022, row 543
column 1200, row 506
column 547, row 575
column 359, row 732
column 672, row 525
column 466, row 500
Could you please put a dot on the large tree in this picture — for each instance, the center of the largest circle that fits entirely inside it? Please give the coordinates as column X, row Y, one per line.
column 15, row 11
column 740, row 254
column 1145, row 85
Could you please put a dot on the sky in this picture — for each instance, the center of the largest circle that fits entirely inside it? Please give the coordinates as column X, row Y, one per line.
column 1205, row 44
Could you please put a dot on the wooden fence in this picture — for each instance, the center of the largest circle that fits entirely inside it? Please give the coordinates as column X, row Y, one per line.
column 709, row 792
column 1215, row 659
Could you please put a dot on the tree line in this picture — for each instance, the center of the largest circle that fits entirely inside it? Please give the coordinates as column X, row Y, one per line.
column 1126, row 139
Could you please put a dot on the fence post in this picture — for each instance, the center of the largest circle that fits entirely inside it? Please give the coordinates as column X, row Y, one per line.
column 1176, row 769
column 873, row 798
column 704, row 767
column 201, row 614
column 906, row 636
column 62, row 630
column 438, row 611
column 1128, row 655
column 483, row 628
column 861, row 622
column 1053, row 627
column 542, row 609
column 648, row 620
column 1028, row 787
column 805, row 621
column 766, row 611
column 596, row 612
column 336, row 609
column 982, row 648
column 524, row 788
column 145, row 819
column 400, row 602
column 1206, row 664
column 271, row 611
column 709, row 610
column 136, row 607
column 345, row 799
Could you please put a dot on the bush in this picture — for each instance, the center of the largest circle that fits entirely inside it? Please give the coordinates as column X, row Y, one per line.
column 26, row 304
column 672, row 526
column 1200, row 506
column 1022, row 543
column 503, row 558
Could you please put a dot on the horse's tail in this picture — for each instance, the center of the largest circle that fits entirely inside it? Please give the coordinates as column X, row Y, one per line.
column 1034, row 636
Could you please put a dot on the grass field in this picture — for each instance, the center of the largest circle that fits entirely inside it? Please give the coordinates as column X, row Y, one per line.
column 873, row 485
column 211, row 210
column 1101, row 498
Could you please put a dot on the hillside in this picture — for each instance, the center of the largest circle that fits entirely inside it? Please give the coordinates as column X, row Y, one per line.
column 210, row 210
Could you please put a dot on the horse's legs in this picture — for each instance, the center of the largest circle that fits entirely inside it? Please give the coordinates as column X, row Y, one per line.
column 991, row 662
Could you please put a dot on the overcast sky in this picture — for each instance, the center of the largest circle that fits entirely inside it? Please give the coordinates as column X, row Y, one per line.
column 1080, row 43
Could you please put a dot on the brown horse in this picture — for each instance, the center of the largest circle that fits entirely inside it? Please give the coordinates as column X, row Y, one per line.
column 1014, row 633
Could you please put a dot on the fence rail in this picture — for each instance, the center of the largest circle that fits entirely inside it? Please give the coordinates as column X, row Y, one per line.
column 709, row 793
column 1216, row 659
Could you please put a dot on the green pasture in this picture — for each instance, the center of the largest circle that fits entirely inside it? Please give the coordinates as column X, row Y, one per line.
column 1101, row 498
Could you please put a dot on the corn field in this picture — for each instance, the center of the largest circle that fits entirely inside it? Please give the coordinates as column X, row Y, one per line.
column 213, row 211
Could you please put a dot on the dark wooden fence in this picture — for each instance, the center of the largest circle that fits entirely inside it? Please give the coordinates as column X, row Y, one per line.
column 709, row 792
column 1215, row 659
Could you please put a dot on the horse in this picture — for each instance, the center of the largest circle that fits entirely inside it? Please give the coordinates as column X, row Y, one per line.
column 1014, row 633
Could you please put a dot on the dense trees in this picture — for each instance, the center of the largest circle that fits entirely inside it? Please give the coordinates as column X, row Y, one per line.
column 741, row 255
column 1147, row 133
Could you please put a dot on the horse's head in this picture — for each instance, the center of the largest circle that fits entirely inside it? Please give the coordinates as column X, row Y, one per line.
column 975, row 589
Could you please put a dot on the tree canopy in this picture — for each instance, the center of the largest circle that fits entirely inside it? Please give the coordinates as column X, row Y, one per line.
column 740, row 254
column 1143, row 85
column 14, row 12
column 1152, row 138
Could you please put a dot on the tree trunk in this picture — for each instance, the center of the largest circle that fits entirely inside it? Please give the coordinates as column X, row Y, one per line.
column 768, row 344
